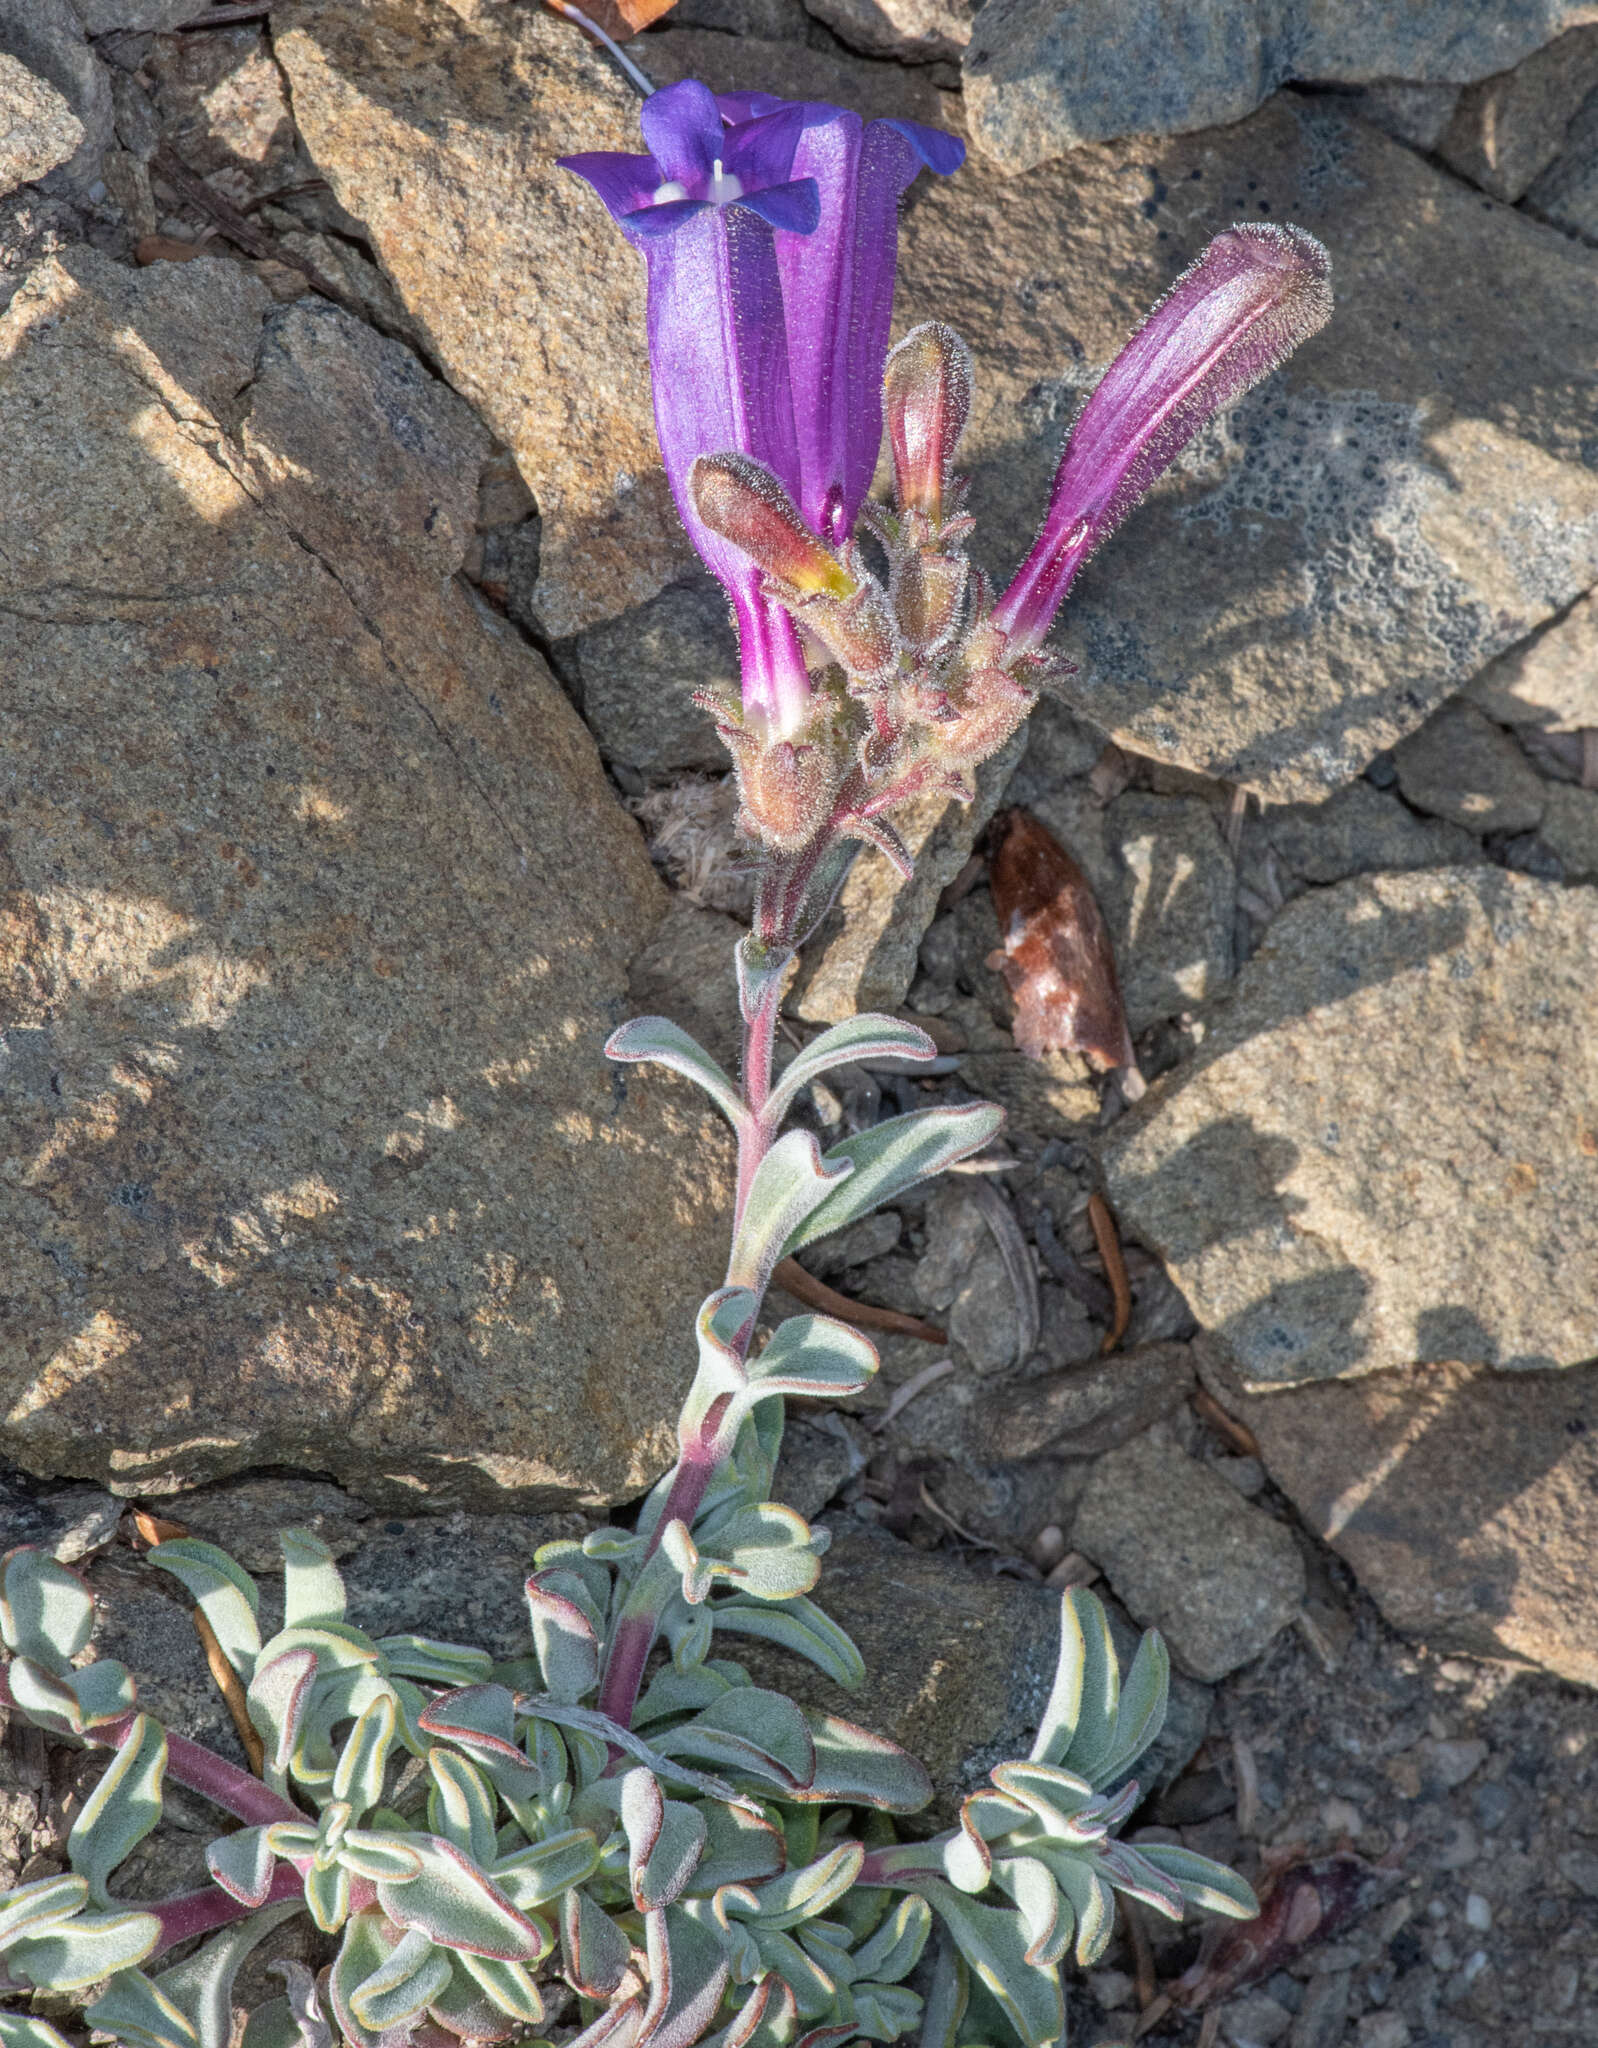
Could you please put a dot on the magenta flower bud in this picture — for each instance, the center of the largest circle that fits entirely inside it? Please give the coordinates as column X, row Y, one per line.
column 1245, row 305
column 926, row 390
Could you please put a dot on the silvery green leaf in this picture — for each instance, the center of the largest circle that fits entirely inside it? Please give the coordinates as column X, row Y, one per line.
column 1087, row 1894
column 857, row 1038
column 765, row 1550
column 688, row 1630
column 892, row 1156
column 1037, row 1900
column 813, row 1990
column 105, row 1691
column 359, row 1777
column 1078, row 1724
column 463, row 2009
column 593, row 1948
column 1141, row 1715
column 137, row 2015
column 564, row 1639
column 72, row 1953
column 313, row 1592
column 481, row 1720
column 509, row 1985
column 461, row 1805
column 201, row 1986
column 435, row 1663
column 408, row 1978
column 568, row 1558
column 1210, row 1886
column 273, row 2025
column 810, row 1358
column 947, row 1997
column 293, row 1838
column 278, row 1696
column 993, row 1942
column 31, row 1908
column 798, row 1625
column 46, row 1611
column 532, row 1876
column 665, row 1839
column 799, row 1895
column 895, row 1949
column 745, row 2022
column 967, row 1861
column 750, row 1731
column 740, row 1847
column 674, row 1691
column 224, row 1593
column 1051, row 1795
column 790, row 1184
column 856, row 1768
column 668, row 1045
column 48, row 1702
column 882, row 2012
column 373, row 1853
column 22, row 2030
column 613, row 1543
column 368, row 1937
column 327, row 1896
column 454, row 1904
column 1130, row 1873
column 242, row 1865
column 687, row 1976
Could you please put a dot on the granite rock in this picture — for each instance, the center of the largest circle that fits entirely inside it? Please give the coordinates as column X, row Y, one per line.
column 1462, row 768
column 1550, row 680
column 1507, row 130
column 1465, row 1500
column 1188, row 1555
column 47, row 38
column 962, row 1275
column 1567, row 192
column 106, row 17
column 38, row 130
column 771, row 21
column 1360, row 830
column 221, row 104
column 635, row 678
column 438, row 126
column 315, row 910
column 1570, row 827
column 1093, row 1408
column 686, row 972
column 1386, row 1148
column 1043, row 76
column 1348, row 546
column 912, row 30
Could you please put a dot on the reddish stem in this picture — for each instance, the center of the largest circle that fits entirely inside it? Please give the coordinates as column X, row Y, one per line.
column 193, row 1913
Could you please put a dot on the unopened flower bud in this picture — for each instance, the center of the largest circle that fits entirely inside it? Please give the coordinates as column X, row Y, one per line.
column 786, row 792
column 857, row 631
column 927, row 590
column 926, row 393
column 742, row 501
column 985, row 708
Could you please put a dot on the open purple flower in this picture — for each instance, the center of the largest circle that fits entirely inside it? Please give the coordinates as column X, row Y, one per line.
column 837, row 289
column 1250, row 299
column 765, row 344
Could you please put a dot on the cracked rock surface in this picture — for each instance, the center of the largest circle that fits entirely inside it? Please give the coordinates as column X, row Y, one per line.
column 315, row 910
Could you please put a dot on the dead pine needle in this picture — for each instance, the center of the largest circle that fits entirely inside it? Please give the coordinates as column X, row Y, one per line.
column 928, row 1376
column 1238, row 1434
column 792, row 1278
column 1109, row 1244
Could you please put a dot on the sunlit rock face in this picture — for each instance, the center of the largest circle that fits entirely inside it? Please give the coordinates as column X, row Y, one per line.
column 315, row 909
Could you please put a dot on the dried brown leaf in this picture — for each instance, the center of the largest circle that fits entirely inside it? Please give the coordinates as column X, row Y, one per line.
column 1057, row 957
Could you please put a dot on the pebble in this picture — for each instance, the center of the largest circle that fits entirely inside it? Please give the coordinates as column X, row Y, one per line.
column 1478, row 1913
column 1492, row 1805
column 1254, row 2022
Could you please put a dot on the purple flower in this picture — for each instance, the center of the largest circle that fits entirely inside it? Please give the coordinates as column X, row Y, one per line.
column 702, row 207
column 1250, row 299
column 837, row 289
column 765, row 346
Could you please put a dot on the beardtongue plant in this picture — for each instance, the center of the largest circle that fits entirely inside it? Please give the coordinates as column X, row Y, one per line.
column 619, row 1838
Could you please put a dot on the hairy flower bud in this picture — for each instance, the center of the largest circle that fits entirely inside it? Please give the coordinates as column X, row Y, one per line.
column 857, row 631
column 926, row 391
column 786, row 791
column 742, row 501
column 927, row 592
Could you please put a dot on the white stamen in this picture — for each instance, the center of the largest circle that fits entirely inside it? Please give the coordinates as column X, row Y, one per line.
column 664, row 194
column 724, row 187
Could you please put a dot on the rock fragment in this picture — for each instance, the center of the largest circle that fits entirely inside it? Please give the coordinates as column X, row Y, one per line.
column 1509, row 128
column 1549, row 681
column 1387, row 1146
column 1460, row 767
column 38, row 130
column 47, row 38
column 911, row 30
column 1188, row 1555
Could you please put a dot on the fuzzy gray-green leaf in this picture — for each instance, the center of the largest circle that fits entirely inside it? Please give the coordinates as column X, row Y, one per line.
column 224, row 1592
column 122, row 1808
column 46, row 1611
column 791, row 1183
column 668, row 1045
column 73, row 1953
column 994, row 1944
column 892, row 1156
column 454, row 1904
column 864, row 1037
column 1208, row 1885
column 137, row 2015
column 798, row 1625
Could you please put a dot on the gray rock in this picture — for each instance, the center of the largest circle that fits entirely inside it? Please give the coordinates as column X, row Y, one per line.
column 686, row 972
column 1550, row 681
column 1462, row 768
column 873, row 1237
column 771, row 21
column 1166, row 885
column 1508, row 129
column 46, row 36
column 322, row 1163
column 863, row 956
column 244, row 1517
column 105, row 17
column 1095, row 1408
column 1188, row 1555
column 912, row 30
column 963, row 1274
column 1322, row 2018
column 459, row 1578
column 1256, row 2021
column 1043, row 76
column 143, row 1619
column 1466, row 1502
column 1383, row 1149
column 1567, row 192
column 1342, row 552
column 1361, row 830
column 221, row 102
column 818, row 1456
column 71, row 1524
column 33, row 225
column 636, row 676
column 38, row 130
column 1414, row 114
column 1570, row 827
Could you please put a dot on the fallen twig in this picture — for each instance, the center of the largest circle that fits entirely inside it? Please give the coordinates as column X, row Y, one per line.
column 228, row 17
column 1248, row 1786
column 792, row 1278
column 965, row 1535
column 1237, row 1434
column 1109, row 1245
